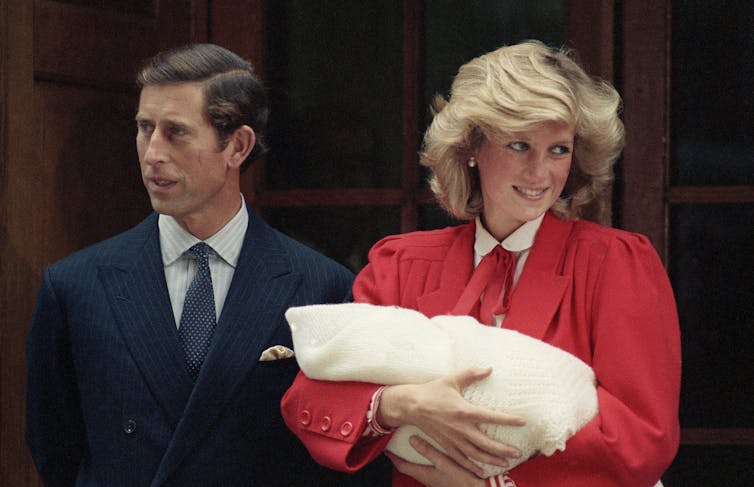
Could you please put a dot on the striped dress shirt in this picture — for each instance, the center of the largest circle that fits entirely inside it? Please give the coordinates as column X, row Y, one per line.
column 180, row 268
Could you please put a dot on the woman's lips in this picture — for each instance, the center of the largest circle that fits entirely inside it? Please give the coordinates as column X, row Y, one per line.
column 530, row 192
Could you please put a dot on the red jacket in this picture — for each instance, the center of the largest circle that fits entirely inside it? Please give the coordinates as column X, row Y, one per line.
column 599, row 293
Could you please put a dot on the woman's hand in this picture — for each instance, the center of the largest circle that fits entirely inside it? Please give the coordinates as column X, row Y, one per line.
column 439, row 409
column 443, row 472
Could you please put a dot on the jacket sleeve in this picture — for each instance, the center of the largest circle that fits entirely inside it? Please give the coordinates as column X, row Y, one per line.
column 330, row 417
column 54, row 424
column 635, row 341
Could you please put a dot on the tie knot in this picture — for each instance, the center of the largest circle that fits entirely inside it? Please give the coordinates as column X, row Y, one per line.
column 200, row 251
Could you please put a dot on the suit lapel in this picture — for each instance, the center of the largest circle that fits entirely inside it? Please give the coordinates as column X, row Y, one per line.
column 137, row 292
column 540, row 290
column 260, row 292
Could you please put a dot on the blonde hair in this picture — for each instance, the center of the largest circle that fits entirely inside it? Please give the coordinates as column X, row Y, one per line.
column 509, row 91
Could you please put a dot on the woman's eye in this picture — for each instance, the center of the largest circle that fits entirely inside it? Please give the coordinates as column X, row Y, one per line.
column 519, row 146
column 560, row 150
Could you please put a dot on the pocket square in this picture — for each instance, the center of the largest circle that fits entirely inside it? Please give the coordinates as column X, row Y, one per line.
column 276, row 353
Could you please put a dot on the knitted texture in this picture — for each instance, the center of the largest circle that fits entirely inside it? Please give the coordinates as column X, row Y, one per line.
column 552, row 389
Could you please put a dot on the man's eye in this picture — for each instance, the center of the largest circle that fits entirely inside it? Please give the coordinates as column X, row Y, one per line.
column 144, row 127
column 178, row 131
column 519, row 146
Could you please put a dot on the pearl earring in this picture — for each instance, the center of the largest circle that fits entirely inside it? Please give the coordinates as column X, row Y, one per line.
column 472, row 162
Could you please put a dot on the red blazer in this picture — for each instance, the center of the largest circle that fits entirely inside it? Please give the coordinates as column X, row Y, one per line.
column 599, row 293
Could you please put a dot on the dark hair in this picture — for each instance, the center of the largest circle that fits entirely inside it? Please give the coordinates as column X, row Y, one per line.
column 234, row 96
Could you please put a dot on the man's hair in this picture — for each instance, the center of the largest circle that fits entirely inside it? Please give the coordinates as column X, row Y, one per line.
column 512, row 90
column 234, row 96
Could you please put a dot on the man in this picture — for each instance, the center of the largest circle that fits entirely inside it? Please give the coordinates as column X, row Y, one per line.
column 154, row 361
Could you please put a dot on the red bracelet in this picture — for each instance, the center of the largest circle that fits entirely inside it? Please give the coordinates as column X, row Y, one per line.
column 372, row 414
column 501, row 480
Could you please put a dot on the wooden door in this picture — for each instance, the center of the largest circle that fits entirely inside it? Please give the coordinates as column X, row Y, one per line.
column 69, row 174
column 688, row 183
column 84, row 99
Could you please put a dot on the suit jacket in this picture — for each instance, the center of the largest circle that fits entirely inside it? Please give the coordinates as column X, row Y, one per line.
column 601, row 294
column 109, row 399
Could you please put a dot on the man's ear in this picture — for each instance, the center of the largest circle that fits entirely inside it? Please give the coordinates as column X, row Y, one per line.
column 240, row 143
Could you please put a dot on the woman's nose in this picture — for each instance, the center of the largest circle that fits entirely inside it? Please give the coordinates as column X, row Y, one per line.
column 537, row 164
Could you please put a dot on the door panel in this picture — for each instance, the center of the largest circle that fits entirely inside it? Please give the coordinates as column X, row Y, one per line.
column 105, row 45
column 68, row 167
column 85, row 60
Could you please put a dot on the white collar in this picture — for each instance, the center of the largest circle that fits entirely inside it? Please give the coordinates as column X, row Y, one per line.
column 519, row 240
column 226, row 242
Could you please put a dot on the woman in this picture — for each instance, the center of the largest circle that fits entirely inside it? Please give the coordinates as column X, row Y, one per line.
column 526, row 140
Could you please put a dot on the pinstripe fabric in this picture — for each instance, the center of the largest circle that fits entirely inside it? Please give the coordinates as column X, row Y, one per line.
column 103, row 351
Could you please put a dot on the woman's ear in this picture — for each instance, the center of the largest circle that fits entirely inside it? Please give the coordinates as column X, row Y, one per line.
column 241, row 142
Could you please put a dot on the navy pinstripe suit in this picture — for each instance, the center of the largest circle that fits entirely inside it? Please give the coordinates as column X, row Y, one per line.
column 109, row 399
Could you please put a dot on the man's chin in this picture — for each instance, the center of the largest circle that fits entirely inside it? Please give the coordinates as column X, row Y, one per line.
column 162, row 207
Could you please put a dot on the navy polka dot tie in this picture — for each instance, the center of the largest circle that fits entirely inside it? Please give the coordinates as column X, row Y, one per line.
column 198, row 318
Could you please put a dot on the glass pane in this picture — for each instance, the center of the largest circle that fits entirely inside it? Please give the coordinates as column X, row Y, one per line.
column 333, row 69
column 343, row 233
column 716, row 465
column 455, row 32
column 712, row 101
column 432, row 217
column 712, row 258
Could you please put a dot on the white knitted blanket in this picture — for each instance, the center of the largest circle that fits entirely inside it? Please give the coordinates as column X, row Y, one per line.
column 552, row 389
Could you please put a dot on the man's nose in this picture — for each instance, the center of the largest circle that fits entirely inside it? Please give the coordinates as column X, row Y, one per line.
column 155, row 148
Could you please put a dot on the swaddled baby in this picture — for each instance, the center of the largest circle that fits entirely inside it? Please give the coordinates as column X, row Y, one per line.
column 552, row 389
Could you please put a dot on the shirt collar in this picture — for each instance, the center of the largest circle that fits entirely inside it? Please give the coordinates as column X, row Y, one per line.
column 226, row 242
column 521, row 239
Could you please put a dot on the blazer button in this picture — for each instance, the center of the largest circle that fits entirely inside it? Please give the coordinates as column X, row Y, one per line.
column 346, row 428
column 129, row 426
column 305, row 417
column 325, row 424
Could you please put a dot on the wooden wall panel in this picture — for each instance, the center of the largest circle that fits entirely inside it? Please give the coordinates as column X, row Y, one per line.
column 590, row 32
column 94, row 172
column 68, row 167
column 239, row 26
column 105, row 45
column 19, row 261
column 646, row 99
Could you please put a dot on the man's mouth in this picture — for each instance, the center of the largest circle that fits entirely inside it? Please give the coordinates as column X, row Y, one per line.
column 162, row 182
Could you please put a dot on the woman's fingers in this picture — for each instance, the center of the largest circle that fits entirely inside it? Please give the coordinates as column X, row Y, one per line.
column 440, row 410
column 464, row 379
column 454, row 455
column 444, row 472
column 439, row 460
